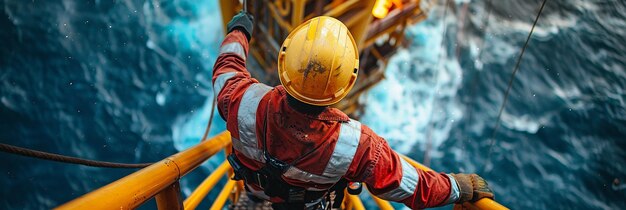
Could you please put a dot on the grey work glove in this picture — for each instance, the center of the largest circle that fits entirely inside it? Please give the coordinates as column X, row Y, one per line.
column 243, row 22
column 472, row 187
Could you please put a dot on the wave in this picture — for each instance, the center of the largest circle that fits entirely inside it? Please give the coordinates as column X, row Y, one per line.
column 416, row 102
column 202, row 33
column 525, row 123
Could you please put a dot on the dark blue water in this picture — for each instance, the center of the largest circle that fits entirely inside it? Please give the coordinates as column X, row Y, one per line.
column 128, row 81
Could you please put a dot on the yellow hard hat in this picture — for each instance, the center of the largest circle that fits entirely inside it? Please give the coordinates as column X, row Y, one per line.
column 318, row 62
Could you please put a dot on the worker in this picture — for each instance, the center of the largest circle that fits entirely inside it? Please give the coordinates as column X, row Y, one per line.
column 292, row 149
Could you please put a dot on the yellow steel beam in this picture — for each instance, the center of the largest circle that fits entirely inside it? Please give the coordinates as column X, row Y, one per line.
column 334, row 4
column 342, row 8
column 356, row 19
column 221, row 198
column 135, row 189
column 382, row 204
column 377, row 54
column 192, row 158
column 487, row 203
column 372, row 39
column 170, row 198
column 279, row 19
column 356, row 202
column 297, row 12
column 359, row 31
column 346, row 204
column 400, row 35
column 203, row 189
column 228, row 11
column 282, row 7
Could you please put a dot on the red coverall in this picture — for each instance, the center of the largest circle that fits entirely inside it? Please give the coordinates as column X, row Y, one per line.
column 344, row 147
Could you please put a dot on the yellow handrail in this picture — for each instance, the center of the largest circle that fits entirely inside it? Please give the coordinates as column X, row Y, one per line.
column 483, row 204
column 221, row 198
column 137, row 188
column 160, row 180
column 203, row 189
column 382, row 204
column 356, row 202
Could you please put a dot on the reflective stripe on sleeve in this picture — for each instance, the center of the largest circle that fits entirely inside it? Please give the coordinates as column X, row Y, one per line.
column 455, row 193
column 221, row 81
column 407, row 184
column 233, row 47
column 246, row 117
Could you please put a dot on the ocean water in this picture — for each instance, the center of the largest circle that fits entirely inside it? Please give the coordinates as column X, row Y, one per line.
column 129, row 81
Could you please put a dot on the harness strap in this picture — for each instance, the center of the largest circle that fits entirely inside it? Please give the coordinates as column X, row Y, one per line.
column 269, row 177
column 273, row 185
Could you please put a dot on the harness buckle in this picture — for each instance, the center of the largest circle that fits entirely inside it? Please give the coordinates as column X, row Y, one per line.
column 260, row 179
column 240, row 171
column 296, row 194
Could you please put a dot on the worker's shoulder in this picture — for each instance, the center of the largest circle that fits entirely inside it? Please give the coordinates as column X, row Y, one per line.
column 351, row 123
column 368, row 136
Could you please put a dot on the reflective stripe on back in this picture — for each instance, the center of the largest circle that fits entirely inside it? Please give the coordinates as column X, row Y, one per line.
column 340, row 160
column 221, row 81
column 407, row 184
column 246, row 120
column 250, row 152
column 299, row 174
column 233, row 47
column 349, row 136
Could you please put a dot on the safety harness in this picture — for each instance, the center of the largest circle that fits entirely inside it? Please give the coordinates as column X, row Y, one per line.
column 269, row 178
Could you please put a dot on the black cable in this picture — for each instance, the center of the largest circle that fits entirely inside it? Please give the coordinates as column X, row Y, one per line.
column 208, row 126
column 66, row 159
column 80, row 161
column 508, row 89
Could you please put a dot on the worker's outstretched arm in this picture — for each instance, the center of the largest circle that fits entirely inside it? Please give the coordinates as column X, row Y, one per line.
column 390, row 177
column 230, row 76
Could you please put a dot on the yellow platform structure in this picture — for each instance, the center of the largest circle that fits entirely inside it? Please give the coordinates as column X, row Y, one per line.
column 376, row 37
column 377, row 26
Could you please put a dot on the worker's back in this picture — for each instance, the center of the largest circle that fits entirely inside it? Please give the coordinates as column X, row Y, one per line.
column 290, row 156
column 319, row 146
